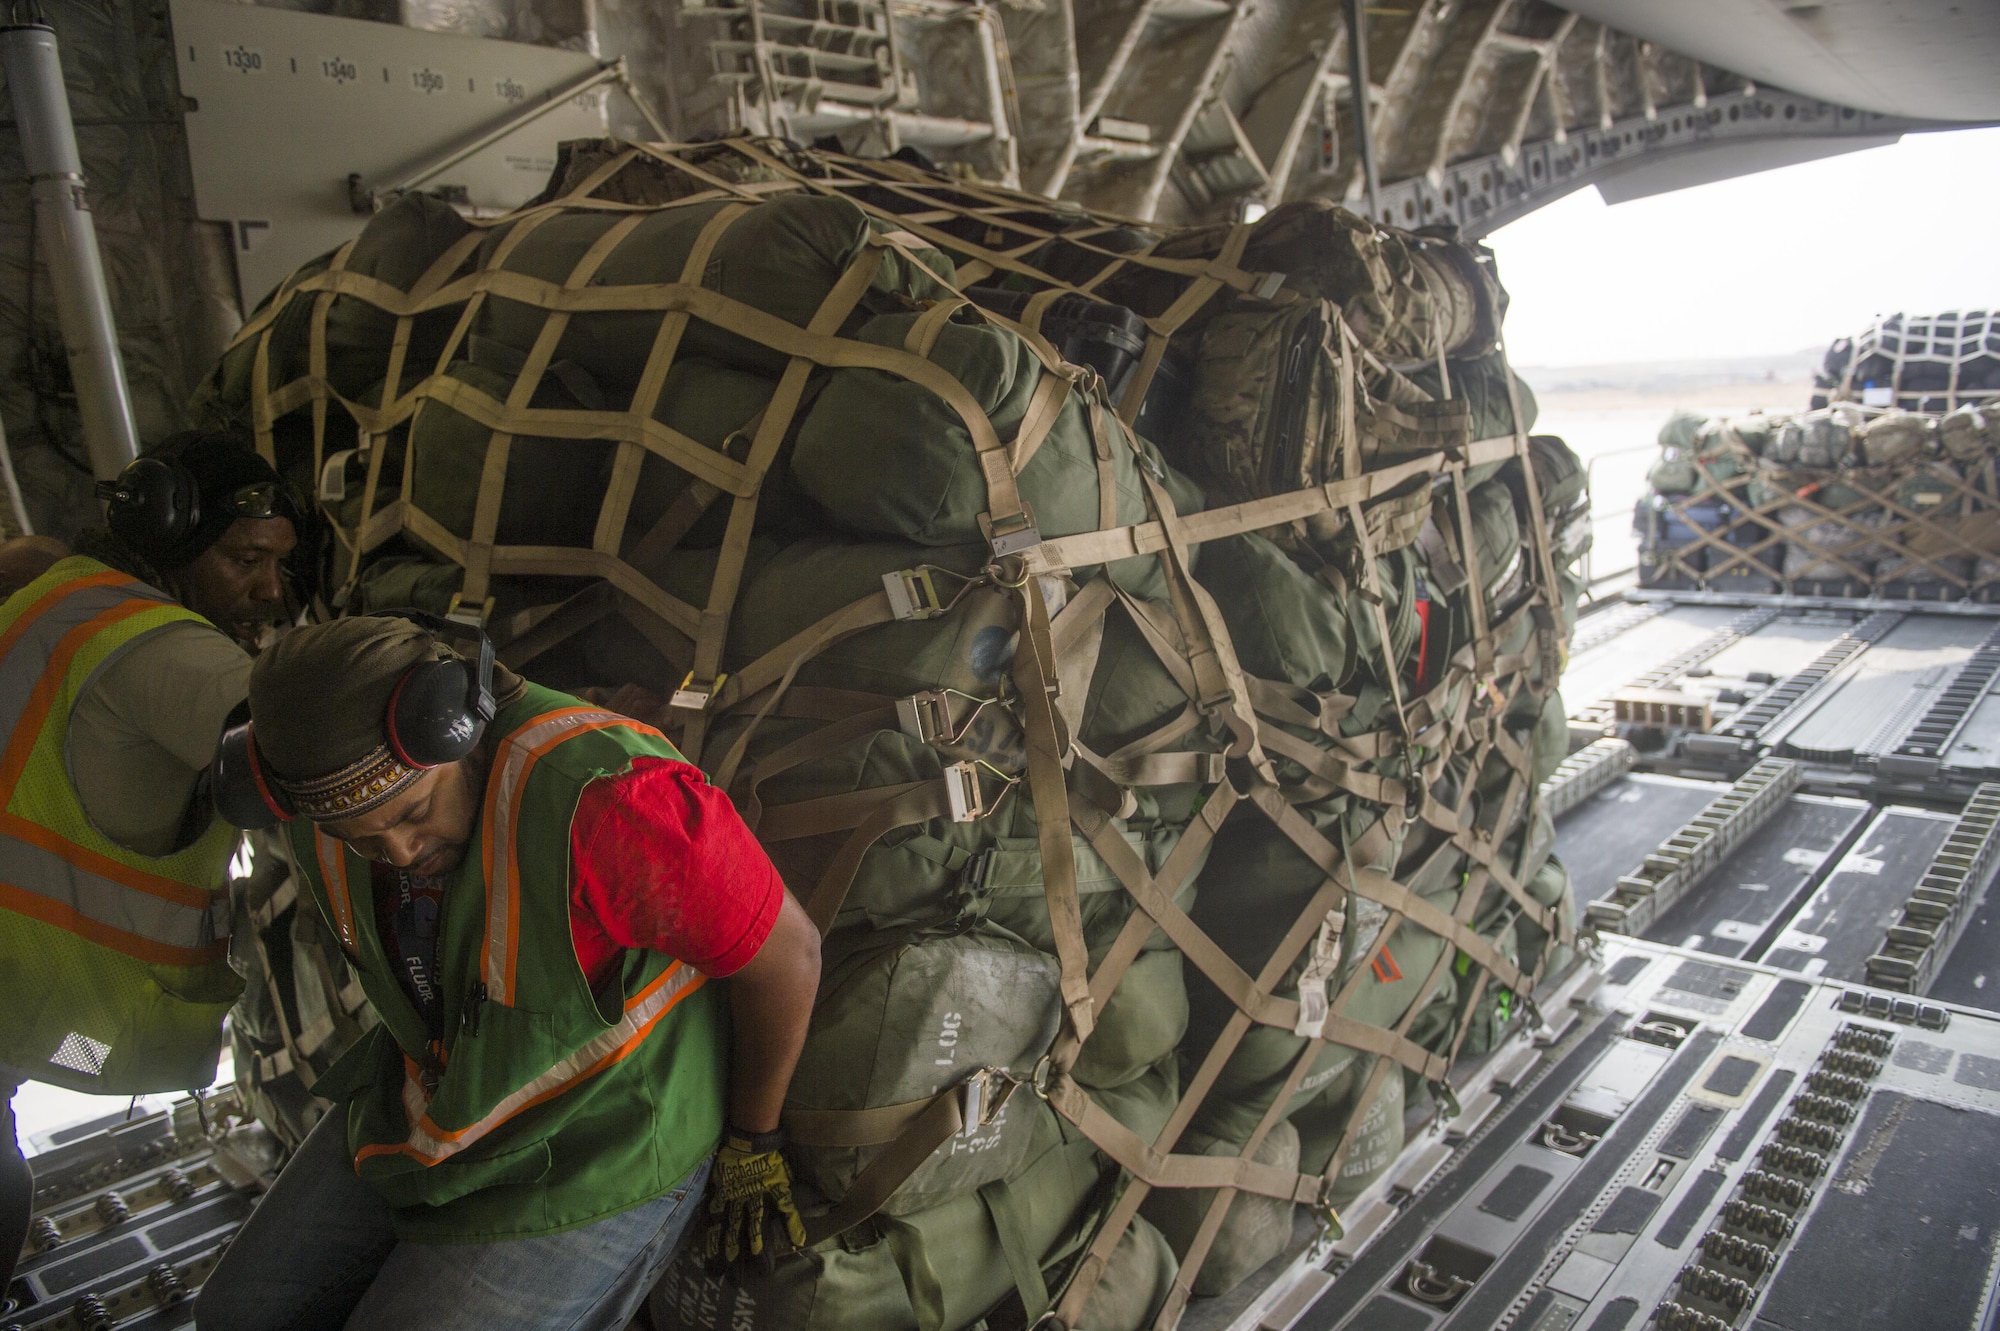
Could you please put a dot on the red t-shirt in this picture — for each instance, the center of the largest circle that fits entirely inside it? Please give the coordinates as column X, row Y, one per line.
column 660, row 860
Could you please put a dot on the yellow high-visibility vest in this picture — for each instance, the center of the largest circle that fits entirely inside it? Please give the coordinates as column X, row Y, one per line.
column 114, row 971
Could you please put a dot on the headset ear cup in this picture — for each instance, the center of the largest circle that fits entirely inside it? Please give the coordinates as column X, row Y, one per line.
column 243, row 794
column 429, row 723
column 159, row 504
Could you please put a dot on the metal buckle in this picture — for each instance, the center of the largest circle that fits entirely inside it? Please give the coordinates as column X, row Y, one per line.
column 980, row 1104
column 459, row 612
column 924, row 716
column 1010, row 536
column 961, row 785
column 912, row 594
column 694, row 697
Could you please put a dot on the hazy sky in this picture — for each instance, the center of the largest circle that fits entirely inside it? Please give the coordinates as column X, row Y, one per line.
column 1773, row 262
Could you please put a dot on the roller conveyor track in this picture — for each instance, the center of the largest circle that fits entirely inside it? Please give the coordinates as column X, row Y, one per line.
column 1787, row 693
column 1605, row 625
column 1941, row 724
column 1675, row 666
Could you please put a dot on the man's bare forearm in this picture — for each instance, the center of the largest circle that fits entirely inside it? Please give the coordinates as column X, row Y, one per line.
column 770, row 1002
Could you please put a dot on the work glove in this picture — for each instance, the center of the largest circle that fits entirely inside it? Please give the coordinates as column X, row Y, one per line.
column 750, row 1210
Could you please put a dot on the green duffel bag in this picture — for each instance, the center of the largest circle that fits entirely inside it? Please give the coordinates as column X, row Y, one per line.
column 1287, row 625
column 969, row 649
column 900, row 1020
column 397, row 247
column 887, row 457
column 1673, row 473
column 1132, row 695
column 1142, row 1022
column 553, row 487
column 1499, row 553
column 1481, row 381
column 938, row 1270
column 1323, row 1121
column 1896, row 437
column 1135, row 1283
column 1820, row 440
column 1564, row 486
column 713, row 405
column 1488, row 1018
column 1246, row 912
column 1551, row 886
column 1970, row 433
column 1255, row 1230
column 781, row 257
column 939, row 870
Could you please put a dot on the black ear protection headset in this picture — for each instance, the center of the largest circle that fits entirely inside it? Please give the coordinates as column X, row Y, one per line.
column 152, row 506
column 437, row 714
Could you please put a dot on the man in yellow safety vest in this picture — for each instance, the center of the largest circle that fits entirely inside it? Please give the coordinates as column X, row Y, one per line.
column 118, row 668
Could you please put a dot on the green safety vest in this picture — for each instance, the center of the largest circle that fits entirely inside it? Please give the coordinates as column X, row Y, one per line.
column 543, row 1106
column 114, row 969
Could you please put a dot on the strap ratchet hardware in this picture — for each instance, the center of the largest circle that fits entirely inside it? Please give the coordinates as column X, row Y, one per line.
column 460, row 611
column 1011, row 535
column 695, row 697
column 961, row 788
column 913, row 594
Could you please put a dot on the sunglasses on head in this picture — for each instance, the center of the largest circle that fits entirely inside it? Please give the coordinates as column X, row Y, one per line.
column 260, row 499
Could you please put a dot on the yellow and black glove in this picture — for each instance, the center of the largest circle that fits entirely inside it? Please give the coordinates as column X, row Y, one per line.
column 750, row 1210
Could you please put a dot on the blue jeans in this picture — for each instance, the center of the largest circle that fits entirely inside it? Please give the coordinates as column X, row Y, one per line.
column 319, row 1254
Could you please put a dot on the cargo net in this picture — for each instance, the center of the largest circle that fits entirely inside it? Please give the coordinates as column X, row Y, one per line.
column 1931, row 363
column 1137, row 648
column 1842, row 501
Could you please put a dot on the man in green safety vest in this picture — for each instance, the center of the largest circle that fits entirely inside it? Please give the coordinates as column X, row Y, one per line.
column 539, row 897
column 118, row 668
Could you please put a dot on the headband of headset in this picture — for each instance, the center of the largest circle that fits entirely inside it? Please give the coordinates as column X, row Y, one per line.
column 437, row 714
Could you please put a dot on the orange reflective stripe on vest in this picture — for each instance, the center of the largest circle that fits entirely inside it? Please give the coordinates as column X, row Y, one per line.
column 430, row 1144
column 516, row 759
column 44, row 874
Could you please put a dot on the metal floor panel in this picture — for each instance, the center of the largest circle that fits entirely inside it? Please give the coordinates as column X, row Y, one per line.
column 1593, row 676
column 1607, row 835
column 1977, row 745
column 1893, row 683
column 1844, row 921
column 1730, row 909
column 1780, row 648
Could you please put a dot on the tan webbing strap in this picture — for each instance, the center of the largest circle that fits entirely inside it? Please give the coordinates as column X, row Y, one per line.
column 1380, row 888
column 1076, row 636
column 710, row 641
column 1537, row 520
column 876, row 1126
column 940, row 1121
column 1045, row 407
column 819, row 743
column 1391, row 671
column 1475, row 591
column 1210, row 653
column 784, row 661
column 1035, row 677
column 929, row 325
column 1157, row 1169
column 1107, row 474
column 1331, row 774
column 478, row 550
column 1350, row 431
column 1383, row 1067
column 645, row 398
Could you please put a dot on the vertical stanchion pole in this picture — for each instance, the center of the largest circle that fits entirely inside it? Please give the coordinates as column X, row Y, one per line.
column 1357, row 88
column 62, row 218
